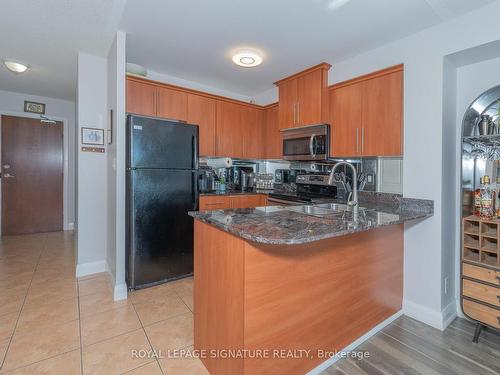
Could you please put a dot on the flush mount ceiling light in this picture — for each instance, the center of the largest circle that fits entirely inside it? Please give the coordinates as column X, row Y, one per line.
column 336, row 4
column 15, row 66
column 247, row 59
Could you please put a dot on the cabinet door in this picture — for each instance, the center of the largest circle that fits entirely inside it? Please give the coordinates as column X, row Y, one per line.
column 382, row 115
column 310, row 91
column 202, row 111
column 172, row 104
column 214, row 202
column 252, row 123
column 345, row 120
column 246, row 201
column 141, row 98
column 288, row 104
column 229, row 141
column 272, row 134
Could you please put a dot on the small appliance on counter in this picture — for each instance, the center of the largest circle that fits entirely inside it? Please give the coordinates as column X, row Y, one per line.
column 206, row 180
column 241, row 178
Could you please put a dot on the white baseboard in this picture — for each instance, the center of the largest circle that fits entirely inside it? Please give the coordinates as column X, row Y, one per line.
column 449, row 314
column 69, row 226
column 437, row 319
column 120, row 291
column 323, row 366
column 84, row 269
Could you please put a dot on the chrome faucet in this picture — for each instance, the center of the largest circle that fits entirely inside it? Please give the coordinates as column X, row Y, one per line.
column 354, row 201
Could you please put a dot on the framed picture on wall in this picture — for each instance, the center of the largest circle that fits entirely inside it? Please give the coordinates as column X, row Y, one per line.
column 93, row 136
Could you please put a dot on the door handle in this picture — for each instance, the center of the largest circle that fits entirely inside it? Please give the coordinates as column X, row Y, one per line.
column 357, row 140
column 311, row 146
column 363, row 139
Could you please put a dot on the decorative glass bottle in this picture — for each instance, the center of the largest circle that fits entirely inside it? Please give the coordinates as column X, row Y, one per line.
column 487, row 209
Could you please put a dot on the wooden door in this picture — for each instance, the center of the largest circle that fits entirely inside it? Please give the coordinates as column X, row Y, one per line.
column 202, row 111
column 288, row 104
column 172, row 104
column 383, row 115
column 229, row 140
column 252, row 123
column 272, row 137
column 345, row 120
column 141, row 98
column 310, row 89
column 32, row 176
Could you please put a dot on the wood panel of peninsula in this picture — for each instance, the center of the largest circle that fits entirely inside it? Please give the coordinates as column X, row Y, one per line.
column 321, row 295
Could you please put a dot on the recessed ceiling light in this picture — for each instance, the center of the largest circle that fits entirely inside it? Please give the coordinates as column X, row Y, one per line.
column 247, row 59
column 15, row 66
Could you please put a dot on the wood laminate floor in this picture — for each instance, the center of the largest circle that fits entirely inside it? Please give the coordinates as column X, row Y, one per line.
column 409, row 347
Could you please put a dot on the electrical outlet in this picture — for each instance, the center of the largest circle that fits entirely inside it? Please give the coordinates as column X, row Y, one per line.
column 446, row 285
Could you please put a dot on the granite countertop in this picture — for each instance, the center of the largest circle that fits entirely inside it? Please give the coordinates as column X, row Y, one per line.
column 281, row 226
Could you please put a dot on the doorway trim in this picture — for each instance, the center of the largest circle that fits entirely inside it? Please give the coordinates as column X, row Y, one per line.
column 66, row 224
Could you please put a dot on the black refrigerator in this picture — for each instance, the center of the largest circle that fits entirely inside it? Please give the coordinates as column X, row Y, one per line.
column 162, row 171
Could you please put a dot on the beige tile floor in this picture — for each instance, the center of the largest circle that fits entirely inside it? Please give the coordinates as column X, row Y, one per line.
column 53, row 323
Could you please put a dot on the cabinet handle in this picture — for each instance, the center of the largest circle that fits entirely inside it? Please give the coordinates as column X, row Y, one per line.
column 357, row 140
column 294, row 113
column 498, row 279
column 298, row 112
column 362, row 139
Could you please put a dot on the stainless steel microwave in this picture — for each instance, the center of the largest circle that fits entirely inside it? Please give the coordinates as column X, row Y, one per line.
column 306, row 143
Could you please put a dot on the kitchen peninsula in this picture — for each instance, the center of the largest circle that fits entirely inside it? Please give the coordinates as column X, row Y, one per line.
column 270, row 281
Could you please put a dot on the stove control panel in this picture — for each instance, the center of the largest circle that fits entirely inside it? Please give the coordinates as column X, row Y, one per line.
column 312, row 179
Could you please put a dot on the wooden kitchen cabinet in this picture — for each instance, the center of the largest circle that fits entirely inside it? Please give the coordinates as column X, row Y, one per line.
column 141, row 98
column 172, row 104
column 225, row 202
column 383, row 115
column 303, row 98
column 202, row 111
column 345, row 120
column 230, row 132
column 272, row 134
column 252, row 125
column 366, row 115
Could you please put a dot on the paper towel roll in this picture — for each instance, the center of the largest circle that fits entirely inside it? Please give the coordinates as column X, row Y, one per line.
column 220, row 163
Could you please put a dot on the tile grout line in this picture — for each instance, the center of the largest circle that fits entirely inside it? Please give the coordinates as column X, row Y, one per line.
column 147, row 338
column 24, row 302
column 79, row 326
column 185, row 304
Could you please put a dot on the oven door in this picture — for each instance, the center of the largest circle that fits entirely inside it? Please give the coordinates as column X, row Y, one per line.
column 306, row 143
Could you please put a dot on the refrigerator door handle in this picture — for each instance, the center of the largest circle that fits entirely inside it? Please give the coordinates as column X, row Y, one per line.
column 195, row 189
column 194, row 146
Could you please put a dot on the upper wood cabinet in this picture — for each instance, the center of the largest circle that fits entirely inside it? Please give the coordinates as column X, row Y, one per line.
column 202, row 111
column 272, row 134
column 303, row 98
column 230, row 133
column 383, row 115
column 345, row 120
column 172, row 104
column 252, row 124
column 141, row 98
column 366, row 115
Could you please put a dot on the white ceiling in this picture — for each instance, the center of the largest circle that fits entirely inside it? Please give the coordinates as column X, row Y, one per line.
column 47, row 34
column 193, row 39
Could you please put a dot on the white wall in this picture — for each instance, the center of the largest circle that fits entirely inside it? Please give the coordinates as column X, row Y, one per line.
column 92, row 167
column 116, row 167
column 62, row 110
column 428, row 163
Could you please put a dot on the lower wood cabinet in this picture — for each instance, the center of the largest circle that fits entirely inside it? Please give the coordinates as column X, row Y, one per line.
column 224, row 202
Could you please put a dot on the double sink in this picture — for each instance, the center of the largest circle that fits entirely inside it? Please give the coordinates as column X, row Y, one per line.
column 323, row 209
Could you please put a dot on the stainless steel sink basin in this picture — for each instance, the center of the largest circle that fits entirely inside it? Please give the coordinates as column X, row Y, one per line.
column 312, row 210
column 338, row 206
